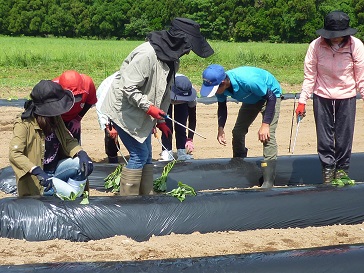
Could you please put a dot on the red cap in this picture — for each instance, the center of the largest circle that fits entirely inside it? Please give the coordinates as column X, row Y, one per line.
column 72, row 80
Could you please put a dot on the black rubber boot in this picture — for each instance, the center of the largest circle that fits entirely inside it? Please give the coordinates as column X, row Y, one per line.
column 328, row 174
column 269, row 173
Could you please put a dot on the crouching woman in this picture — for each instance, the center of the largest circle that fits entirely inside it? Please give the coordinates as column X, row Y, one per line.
column 43, row 148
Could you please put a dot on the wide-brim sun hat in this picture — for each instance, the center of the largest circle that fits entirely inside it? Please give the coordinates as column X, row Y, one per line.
column 336, row 24
column 192, row 30
column 50, row 99
column 182, row 89
column 212, row 76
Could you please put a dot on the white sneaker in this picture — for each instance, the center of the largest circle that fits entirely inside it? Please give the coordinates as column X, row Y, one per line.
column 182, row 155
column 166, row 155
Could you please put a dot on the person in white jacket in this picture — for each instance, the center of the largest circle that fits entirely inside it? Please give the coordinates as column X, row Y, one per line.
column 334, row 73
column 111, row 141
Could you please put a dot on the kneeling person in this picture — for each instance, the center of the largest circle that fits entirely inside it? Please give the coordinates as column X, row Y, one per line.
column 43, row 148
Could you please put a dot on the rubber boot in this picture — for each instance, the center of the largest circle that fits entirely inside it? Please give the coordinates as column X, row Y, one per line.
column 269, row 173
column 146, row 185
column 328, row 174
column 130, row 181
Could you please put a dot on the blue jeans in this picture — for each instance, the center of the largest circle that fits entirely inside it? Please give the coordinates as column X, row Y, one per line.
column 140, row 153
column 67, row 168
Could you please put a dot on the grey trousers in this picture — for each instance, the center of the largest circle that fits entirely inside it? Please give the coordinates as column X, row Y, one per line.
column 247, row 114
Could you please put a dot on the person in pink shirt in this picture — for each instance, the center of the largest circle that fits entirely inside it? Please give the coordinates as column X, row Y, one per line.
column 83, row 88
column 333, row 74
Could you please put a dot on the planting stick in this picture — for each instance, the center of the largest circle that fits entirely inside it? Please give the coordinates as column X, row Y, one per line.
column 180, row 124
column 290, row 137
column 299, row 118
column 118, row 147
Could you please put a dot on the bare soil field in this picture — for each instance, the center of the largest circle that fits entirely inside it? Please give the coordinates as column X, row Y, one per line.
column 121, row 248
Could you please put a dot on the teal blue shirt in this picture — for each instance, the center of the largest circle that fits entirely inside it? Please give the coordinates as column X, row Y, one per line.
column 250, row 85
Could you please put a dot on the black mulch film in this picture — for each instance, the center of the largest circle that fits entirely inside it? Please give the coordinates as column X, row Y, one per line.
column 299, row 201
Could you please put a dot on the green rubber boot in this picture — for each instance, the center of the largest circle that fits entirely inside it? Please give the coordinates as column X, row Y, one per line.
column 269, row 173
column 146, row 185
column 130, row 181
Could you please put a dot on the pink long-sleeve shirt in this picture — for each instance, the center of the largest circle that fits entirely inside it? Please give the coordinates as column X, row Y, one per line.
column 333, row 74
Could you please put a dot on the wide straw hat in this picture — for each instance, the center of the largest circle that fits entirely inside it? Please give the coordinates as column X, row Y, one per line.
column 50, row 99
column 336, row 24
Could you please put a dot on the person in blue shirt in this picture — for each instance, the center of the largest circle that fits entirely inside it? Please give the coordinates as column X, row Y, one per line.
column 260, row 92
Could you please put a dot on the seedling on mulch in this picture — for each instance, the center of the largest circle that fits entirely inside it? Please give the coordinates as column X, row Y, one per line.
column 160, row 184
column 182, row 191
column 112, row 181
column 343, row 180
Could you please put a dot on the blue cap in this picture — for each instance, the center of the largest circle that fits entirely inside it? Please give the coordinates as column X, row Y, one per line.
column 212, row 76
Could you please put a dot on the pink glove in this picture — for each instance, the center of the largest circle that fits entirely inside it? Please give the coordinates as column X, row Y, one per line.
column 164, row 128
column 75, row 125
column 189, row 145
column 155, row 112
column 112, row 133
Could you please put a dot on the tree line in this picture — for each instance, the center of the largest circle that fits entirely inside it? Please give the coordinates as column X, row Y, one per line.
column 289, row 21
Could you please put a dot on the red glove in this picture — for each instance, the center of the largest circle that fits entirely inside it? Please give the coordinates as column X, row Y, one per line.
column 112, row 132
column 156, row 113
column 300, row 110
column 164, row 128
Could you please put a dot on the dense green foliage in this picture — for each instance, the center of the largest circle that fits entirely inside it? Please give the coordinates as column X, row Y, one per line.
column 292, row 21
column 26, row 60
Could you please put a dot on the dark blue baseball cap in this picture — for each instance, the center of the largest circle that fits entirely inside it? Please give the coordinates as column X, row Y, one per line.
column 212, row 76
column 182, row 89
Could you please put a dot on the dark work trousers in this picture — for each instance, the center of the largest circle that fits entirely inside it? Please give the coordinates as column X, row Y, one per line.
column 180, row 114
column 247, row 114
column 335, row 121
column 110, row 146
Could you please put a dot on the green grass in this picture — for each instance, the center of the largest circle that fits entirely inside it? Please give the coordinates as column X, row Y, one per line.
column 24, row 61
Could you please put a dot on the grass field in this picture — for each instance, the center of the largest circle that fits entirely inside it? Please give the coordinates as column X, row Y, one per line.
column 26, row 60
